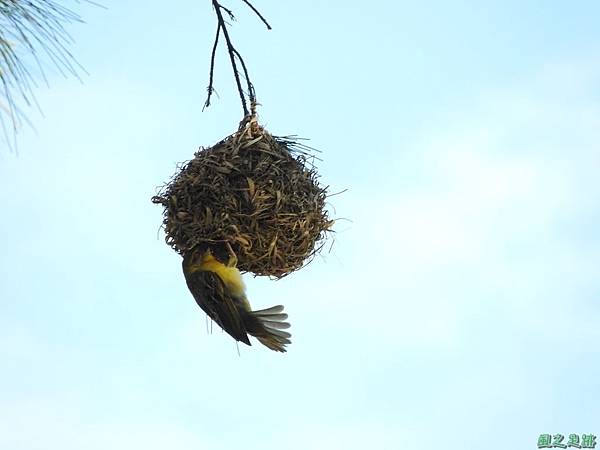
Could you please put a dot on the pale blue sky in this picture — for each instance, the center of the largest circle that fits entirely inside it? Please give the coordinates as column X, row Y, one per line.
column 459, row 307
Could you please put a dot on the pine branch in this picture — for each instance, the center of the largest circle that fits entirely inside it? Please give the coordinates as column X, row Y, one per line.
column 32, row 31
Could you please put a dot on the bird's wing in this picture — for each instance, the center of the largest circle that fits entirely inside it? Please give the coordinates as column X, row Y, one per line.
column 211, row 295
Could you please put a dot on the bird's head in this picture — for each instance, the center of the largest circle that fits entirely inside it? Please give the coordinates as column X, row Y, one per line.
column 195, row 256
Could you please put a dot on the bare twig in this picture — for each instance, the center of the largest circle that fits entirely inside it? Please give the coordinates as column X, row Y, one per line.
column 230, row 50
column 251, row 94
column 258, row 14
column 211, row 87
column 234, row 57
column 229, row 12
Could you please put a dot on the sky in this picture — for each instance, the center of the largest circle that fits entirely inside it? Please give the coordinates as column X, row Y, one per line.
column 458, row 305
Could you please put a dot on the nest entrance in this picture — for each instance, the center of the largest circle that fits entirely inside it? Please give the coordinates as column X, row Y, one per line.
column 257, row 192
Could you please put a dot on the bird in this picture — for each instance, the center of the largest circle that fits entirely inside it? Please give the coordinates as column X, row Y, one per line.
column 216, row 284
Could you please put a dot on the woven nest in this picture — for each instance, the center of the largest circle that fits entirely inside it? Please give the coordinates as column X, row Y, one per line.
column 257, row 192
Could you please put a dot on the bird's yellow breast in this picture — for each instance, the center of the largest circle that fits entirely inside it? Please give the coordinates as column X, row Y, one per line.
column 231, row 277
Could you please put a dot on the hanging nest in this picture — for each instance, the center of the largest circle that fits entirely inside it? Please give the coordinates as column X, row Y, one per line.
column 255, row 191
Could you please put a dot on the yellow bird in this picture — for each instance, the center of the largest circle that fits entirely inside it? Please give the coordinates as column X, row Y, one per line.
column 217, row 286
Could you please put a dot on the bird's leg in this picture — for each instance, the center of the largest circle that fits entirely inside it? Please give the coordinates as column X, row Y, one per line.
column 232, row 262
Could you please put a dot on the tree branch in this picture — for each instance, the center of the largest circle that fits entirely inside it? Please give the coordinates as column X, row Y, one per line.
column 234, row 57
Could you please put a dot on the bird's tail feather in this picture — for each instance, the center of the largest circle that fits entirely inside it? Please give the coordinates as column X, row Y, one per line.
column 267, row 326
